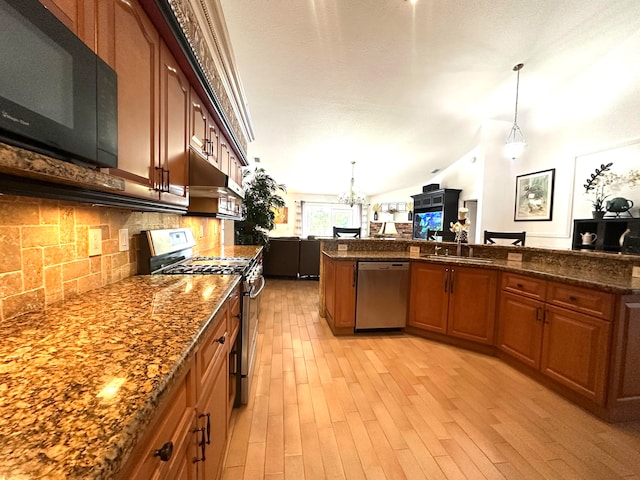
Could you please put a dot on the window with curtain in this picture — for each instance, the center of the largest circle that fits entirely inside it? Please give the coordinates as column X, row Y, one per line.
column 319, row 218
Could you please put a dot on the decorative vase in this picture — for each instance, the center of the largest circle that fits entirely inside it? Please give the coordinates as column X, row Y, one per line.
column 375, row 216
column 598, row 214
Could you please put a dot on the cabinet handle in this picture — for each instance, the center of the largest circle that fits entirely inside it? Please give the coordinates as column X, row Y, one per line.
column 164, row 452
column 159, row 178
column 446, row 280
column 222, row 339
column 208, row 415
column 573, row 299
column 202, row 444
column 544, row 316
column 538, row 314
column 452, row 276
column 168, row 181
column 354, row 276
column 519, row 285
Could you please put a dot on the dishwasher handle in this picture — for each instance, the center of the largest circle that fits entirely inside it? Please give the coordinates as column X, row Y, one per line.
column 354, row 276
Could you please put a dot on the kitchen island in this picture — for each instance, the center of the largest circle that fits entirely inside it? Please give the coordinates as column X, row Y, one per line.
column 81, row 380
column 569, row 319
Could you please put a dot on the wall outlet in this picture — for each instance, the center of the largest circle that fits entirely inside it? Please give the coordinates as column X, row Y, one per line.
column 342, row 247
column 514, row 257
column 635, row 272
column 414, row 250
column 95, row 242
column 123, row 240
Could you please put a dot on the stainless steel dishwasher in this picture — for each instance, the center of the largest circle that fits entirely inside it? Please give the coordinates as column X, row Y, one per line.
column 382, row 295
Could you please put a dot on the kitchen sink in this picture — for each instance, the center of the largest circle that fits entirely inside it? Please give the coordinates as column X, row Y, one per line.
column 456, row 258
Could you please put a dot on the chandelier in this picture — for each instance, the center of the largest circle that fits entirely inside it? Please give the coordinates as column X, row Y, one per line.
column 351, row 198
column 515, row 141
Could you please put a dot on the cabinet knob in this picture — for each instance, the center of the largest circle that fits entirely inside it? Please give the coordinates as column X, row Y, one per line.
column 573, row 298
column 222, row 339
column 519, row 285
column 164, row 452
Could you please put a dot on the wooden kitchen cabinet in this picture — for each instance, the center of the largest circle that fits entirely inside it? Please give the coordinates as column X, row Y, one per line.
column 213, row 422
column 561, row 330
column 174, row 130
column 520, row 328
column 452, row 300
column 195, row 418
column 153, row 104
column 225, row 156
column 575, row 351
column 428, row 303
column 77, row 15
column 130, row 44
column 168, row 448
column 213, row 150
column 340, row 294
column 198, row 124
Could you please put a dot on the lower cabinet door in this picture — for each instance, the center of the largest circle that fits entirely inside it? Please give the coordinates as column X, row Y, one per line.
column 575, row 351
column 428, row 297
column 212, row 417
column 520, row 328
column 345, row 296
column 472, row 304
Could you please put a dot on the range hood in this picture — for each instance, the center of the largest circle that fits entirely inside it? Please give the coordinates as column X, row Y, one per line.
column 211, row 192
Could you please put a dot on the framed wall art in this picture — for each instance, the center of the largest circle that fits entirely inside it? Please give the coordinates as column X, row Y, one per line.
column 534, row 196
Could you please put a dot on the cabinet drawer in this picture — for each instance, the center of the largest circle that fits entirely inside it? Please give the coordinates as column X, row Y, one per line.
column 212, row 349
column 585, row 300
column 172, row 425
column 527, row 286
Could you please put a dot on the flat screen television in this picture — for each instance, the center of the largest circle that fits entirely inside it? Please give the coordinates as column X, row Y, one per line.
column 426, row 221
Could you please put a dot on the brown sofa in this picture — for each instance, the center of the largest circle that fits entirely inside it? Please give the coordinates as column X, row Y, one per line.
column 292, row 257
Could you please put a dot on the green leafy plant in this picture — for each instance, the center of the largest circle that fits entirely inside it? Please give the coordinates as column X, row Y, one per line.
column 596, row 184
column 260, row 200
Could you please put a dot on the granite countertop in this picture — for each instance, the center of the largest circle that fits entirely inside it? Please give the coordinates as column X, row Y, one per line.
column 80, row 380
column 599, row 278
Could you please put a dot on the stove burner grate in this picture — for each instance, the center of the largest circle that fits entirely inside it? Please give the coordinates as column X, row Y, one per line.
column 206, row 269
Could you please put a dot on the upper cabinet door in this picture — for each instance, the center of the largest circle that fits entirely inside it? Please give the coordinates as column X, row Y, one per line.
column 77, row 15
column 213, row 151
column 129, row 43
column 174, row 129
column 198, row 138
column 225, row 156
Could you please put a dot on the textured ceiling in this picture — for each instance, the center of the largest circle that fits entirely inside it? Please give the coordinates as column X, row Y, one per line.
column 402, row 89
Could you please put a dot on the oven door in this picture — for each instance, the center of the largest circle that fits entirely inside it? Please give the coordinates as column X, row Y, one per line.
column 250, row 314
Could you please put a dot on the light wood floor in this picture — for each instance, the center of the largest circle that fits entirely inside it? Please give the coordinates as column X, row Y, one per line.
column 397, row 406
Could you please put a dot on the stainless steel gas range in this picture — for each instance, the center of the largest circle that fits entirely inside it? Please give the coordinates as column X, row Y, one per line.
column 170, row 252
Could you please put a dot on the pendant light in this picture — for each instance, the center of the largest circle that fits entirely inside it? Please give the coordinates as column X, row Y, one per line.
column 515, row 141
column 351, row 198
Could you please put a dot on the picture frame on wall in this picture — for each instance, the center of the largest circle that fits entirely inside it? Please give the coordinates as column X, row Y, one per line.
column 534, row 196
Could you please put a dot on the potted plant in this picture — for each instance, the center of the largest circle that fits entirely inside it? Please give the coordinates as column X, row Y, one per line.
column 260, row 200
column 596, row 184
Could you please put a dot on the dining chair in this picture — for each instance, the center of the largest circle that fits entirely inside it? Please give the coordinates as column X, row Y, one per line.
column 340, row 232
column 517, row 237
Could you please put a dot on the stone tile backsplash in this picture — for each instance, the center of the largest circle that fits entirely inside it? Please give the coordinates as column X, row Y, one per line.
column 44, row 248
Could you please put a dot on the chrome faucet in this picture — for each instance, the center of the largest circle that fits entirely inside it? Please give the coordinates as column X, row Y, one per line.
column 437, row 249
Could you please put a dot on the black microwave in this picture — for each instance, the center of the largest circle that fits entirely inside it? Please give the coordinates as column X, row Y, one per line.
column 56, row 96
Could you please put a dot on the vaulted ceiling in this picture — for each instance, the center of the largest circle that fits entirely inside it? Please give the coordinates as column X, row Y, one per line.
column 403, row 88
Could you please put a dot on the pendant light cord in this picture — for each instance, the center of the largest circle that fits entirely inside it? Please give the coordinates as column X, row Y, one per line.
column 517, row 68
